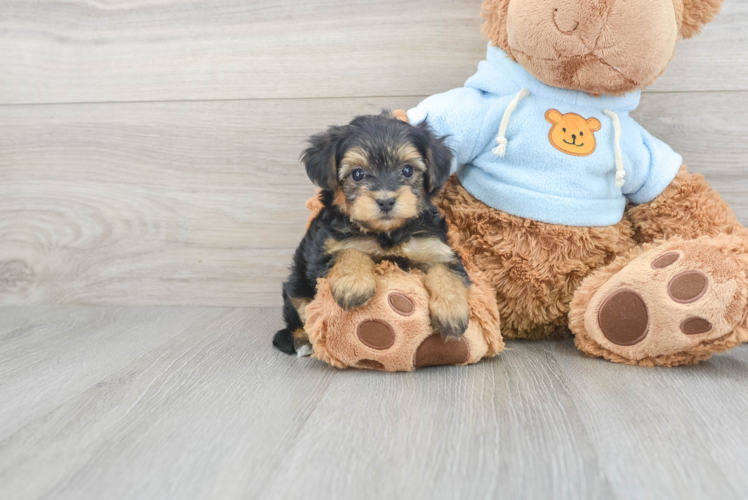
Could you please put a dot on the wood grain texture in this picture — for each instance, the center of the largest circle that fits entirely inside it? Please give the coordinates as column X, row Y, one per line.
column 505, row 428
column 50, row 355
column 203, row 203
column 209, row 410
column 707, row 130
column 207, row 415
column 171, row 203
column 83, row 51
column 646, row 425
column 127, row 50
column 714, row 60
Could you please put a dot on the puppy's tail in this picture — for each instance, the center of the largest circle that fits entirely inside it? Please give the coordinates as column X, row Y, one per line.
column 283, row 341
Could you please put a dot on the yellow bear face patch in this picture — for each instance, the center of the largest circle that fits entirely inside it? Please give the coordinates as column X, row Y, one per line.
column 572, row 134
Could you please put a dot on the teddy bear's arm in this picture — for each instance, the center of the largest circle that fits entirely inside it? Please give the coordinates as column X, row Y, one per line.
column 650, row 165
column 688, row 208
column 459, row 114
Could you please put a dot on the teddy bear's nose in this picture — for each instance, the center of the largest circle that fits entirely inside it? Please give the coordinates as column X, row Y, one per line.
column 567, row 20
column 574, row 137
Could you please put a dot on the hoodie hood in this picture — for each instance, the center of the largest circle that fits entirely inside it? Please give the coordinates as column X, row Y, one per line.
column 498, row 73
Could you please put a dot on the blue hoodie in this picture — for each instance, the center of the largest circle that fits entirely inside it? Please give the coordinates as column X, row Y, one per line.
column 562, row 156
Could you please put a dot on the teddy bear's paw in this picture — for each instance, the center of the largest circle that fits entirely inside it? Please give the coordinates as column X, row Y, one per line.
column 675, row 304
column 393, row 331
column 394, row 340
column 383, row 335
column 436, row 350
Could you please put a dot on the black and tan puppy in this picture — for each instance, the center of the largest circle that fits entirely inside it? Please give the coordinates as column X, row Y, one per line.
column 378, row 176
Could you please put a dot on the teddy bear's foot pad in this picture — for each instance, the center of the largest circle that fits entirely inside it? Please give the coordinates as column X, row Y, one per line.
column 674, row 304
column 435, row 350
column 371, row 364
column 623, row 318
column 376, row 334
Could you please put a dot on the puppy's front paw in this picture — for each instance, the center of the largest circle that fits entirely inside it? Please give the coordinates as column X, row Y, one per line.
column 450, row 314
column 354, row 290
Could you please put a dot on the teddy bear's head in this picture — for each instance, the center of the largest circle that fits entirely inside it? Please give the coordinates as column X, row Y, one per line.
column 596, row 46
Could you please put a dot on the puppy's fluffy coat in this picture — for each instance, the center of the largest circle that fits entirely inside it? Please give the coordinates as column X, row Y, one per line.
column 378, row 176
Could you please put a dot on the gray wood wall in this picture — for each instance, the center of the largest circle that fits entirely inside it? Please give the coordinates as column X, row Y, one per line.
column 149, row 149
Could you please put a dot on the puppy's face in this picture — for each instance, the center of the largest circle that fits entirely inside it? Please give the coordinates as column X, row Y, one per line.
column 382, row 170
column 382, row 182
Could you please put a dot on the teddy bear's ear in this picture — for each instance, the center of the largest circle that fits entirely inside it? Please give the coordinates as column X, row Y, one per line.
column 594, row 124
column 697, row 13
column 553, row 116
column 494, row 28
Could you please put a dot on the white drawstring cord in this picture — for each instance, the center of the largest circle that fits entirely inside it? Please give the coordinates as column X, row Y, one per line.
column 620, row 172
column 500, row 150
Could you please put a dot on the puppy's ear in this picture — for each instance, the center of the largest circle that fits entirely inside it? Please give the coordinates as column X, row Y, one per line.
column 438, row 157
column 321, row 157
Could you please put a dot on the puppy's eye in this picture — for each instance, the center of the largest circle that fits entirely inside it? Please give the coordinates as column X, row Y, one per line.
column 564, row 130
column 358, row 175
column 407, row 171
column 581, row 134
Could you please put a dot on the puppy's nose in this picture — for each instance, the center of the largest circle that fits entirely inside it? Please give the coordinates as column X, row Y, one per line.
column 386, row 204
column 573, row 137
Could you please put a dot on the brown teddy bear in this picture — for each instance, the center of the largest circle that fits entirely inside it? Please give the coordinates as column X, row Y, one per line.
column 576, row 217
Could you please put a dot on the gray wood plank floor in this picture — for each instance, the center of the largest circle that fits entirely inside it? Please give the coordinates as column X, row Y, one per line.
column 149, row 163
column 183, row 402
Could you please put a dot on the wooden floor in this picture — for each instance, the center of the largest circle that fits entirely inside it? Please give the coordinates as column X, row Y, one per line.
column 184, row 402
column 151, row 197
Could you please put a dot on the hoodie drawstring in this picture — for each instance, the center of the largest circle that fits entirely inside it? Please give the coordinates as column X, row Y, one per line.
column 620, row 172
column 500, row 150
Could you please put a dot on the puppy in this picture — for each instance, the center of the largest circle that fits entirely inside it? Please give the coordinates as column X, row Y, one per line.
column 378, row 176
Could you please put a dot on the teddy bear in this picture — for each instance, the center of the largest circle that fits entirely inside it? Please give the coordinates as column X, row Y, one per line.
column 580, row 221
